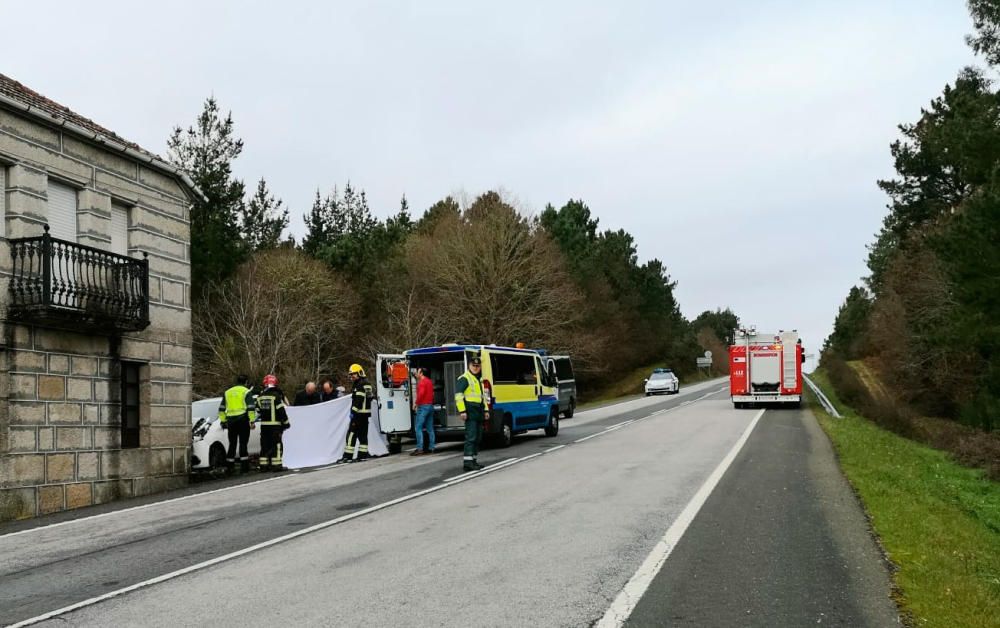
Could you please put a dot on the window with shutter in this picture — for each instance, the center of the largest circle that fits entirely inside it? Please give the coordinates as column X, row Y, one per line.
column 119, row 229
column 62, row 211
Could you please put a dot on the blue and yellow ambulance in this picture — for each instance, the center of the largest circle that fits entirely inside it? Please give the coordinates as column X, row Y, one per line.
column 521, row 388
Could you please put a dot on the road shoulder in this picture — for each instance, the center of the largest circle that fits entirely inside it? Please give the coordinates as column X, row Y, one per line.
column 783, row 540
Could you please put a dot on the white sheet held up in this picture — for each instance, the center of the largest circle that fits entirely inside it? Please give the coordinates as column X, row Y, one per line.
column 318, row 433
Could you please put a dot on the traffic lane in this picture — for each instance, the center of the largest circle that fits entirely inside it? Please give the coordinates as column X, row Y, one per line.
column 136, row 544
column 596, row 421
column 782, row 541
column 50, row 568
column 205, row 482
column 549, row 541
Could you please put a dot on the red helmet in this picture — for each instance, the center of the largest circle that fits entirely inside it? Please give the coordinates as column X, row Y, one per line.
column 270, row 380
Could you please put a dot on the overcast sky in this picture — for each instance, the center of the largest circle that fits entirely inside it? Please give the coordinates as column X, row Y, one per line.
column 739, row 142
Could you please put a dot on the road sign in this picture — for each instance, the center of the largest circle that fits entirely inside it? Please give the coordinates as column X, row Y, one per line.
column 708, row 355
column 703, row 362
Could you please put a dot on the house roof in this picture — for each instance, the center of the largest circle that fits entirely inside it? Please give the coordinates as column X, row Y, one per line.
column 41, row 107
column 24, row 94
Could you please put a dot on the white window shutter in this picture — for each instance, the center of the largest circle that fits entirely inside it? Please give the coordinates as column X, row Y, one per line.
column 119, row 229
column 62, row 211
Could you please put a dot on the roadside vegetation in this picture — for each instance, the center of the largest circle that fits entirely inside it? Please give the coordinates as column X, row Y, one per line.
column 938, row 521
column 481, row 269
column 926, row 318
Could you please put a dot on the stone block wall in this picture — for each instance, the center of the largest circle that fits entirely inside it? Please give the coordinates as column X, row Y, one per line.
column 60, row 423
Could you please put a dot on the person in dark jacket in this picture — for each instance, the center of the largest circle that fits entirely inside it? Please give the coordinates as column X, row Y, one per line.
column 328, row 391
column 307, row 397
column 273, row 422
column 362, row 395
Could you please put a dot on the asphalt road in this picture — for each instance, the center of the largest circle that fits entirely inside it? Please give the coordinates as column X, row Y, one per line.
column 547, row 536
column 53, row 562
column 780, row 542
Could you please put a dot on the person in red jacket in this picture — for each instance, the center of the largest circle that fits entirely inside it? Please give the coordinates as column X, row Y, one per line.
column 423, row 405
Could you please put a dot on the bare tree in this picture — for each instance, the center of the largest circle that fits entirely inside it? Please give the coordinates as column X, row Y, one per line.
column 490, row 277
column 282, row 312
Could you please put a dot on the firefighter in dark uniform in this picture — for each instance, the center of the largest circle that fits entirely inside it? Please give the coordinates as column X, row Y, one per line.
column 236, row 415
column 472, row 407
column 273, row 422
column 362, row 395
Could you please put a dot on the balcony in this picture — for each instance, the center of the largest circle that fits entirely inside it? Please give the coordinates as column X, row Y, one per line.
column 65, row 284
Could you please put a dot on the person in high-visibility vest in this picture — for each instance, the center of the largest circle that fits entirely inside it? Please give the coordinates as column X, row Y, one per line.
column 273, row 422
column 362, row 395
column 472, row 408
column 236, row 415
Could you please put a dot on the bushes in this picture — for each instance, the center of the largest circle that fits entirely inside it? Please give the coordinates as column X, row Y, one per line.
column 969, row 446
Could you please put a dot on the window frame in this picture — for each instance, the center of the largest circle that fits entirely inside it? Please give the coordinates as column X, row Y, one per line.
column 130, row 435
column 502, row 368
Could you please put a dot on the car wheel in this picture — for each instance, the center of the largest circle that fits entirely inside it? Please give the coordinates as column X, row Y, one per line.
column 505, row 438
column 552, row 429
column 217, row 456
column 571, row 409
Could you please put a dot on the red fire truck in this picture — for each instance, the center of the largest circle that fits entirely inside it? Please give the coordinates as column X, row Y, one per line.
column 765, row 368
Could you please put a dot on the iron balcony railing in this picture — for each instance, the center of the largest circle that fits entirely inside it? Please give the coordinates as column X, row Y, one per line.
column 57, row 281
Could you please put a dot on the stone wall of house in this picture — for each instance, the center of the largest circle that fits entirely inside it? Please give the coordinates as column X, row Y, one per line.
column 60, row 423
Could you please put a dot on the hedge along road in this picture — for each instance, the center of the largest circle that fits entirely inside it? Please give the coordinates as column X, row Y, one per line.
column 52, row 566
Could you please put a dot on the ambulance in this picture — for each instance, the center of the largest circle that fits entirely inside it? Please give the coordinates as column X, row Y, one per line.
column 521, row 388
column 765, row 368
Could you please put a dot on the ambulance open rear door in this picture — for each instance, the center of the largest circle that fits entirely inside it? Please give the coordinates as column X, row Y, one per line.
column 394, row 390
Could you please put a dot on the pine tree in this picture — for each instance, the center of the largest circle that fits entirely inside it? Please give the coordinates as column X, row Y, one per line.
column 206, row 151
column 263, row 219
column 320, row 224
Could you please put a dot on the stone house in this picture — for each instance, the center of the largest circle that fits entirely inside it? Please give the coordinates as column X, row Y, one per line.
column 95, row 350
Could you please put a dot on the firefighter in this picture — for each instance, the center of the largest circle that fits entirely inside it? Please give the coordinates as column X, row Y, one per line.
column 273, row 422
column 361, row 411
column 472, row 409
column 236, row 415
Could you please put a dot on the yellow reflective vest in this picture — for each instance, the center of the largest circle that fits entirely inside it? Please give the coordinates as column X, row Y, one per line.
column 236, row 402
column 469, row 390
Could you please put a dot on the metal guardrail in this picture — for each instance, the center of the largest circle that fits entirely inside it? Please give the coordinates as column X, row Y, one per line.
column 827, row 405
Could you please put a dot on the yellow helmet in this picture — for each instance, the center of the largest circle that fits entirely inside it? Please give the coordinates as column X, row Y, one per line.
column 356, row 369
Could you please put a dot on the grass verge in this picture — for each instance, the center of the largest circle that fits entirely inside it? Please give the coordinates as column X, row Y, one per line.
column 939, row 522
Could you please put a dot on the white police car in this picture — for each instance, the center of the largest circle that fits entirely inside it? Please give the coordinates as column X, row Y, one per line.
column 662, row 381
column 209, row 441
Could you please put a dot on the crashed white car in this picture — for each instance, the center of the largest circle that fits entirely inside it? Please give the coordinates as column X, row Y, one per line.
column 662, row 381
column 208, row 440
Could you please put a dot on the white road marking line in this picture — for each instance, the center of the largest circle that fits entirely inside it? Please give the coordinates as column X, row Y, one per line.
column 265, row 544
column 634, row 589
column 551, row 449
column 687, row 402
column 503, row 463
column 143, row 507
column 314, row 528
